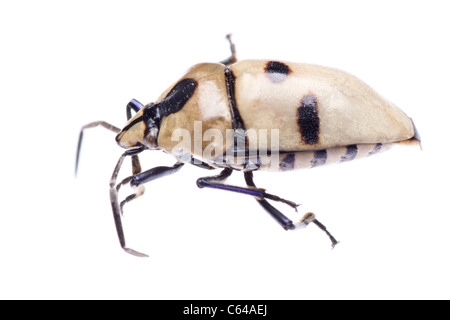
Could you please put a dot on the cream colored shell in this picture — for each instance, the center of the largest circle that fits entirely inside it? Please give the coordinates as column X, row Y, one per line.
column 349, row 111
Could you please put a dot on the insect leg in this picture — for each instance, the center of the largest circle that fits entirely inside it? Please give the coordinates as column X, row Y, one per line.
column 139, row 191
column 285, row 222
column 232, row 59
column 311, row 217
column 154, row 173
column 214, row 183
column 92, row 125
column 137, row 180
column 115, row 202
column 135, row 163
column 280, row 218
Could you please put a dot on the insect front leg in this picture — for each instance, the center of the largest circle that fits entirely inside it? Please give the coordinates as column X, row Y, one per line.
column 138, row 179
column 115, row 202
column 139, row 191
column 282, row 219
column 135, row 106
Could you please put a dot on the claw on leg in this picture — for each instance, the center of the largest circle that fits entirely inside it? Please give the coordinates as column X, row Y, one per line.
column 311, row 218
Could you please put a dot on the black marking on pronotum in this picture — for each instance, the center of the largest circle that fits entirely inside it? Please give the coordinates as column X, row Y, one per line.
column 320, row 157
column 277, row 71
column 375, row 150
column 308, row 119
column 177, row 97
column 288, row 162
column 352, row 151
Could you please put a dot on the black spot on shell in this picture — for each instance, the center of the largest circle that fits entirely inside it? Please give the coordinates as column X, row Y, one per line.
column 308, row 119
column 277, row 67
column 277, row 71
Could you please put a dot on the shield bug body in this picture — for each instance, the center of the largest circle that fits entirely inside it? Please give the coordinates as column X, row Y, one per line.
column 256, row 115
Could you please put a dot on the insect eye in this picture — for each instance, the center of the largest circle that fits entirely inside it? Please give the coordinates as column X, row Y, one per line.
column 152, row 116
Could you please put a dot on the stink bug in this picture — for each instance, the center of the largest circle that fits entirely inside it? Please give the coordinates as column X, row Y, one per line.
column 315, row 116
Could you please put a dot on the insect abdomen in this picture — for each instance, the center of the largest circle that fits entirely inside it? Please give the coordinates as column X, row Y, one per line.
column 313, row 159
column 314, row 107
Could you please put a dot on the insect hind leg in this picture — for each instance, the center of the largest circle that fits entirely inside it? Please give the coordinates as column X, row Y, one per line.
column 215, row 182
column 311, row 218
column 283, row 220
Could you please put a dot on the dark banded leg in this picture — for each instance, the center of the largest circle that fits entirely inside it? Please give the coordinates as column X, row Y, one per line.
column 115, row 202
column 282, row 219
column 136, row 168
column 92, row 125
column 214, row 183
column 135, row 106
column 311, row 217
column 137, row 180
column 139, row 191
column 232, row 59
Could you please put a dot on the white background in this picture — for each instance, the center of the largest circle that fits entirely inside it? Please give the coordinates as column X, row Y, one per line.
column 64, row 64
